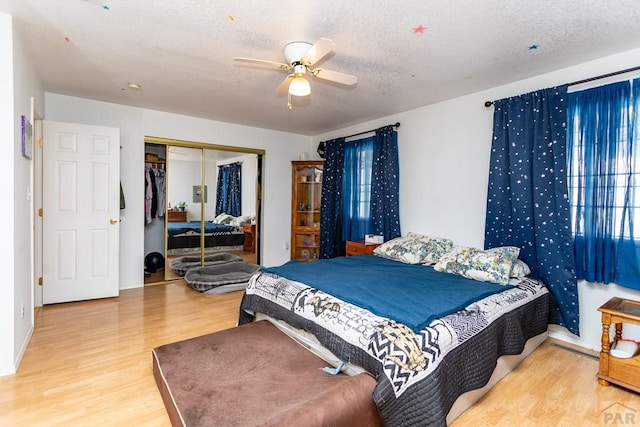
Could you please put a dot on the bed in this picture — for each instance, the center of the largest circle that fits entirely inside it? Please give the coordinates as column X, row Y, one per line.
column 433, row 342
column 184, row 237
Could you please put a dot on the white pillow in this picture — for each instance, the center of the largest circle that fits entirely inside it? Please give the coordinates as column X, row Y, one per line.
column 238, row 221
column 223, row 218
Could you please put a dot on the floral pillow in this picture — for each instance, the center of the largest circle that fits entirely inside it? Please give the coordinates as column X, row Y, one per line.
column 507, row 250
column 486, row 266
column 414, row 249
column 519, row 268
column 435, row 247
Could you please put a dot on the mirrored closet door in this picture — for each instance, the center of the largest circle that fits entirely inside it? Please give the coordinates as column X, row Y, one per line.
column 212, row 206
column 184, row 212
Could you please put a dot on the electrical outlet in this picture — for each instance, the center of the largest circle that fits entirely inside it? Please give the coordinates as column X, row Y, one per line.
column 286, row 245
column 22, row 310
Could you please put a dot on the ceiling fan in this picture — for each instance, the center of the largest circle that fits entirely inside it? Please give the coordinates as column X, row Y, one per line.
column 300, row 57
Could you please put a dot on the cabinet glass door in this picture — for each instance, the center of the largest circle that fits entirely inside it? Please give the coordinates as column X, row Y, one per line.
column 308, row 192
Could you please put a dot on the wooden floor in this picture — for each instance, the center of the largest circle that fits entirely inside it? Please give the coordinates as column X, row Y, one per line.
column 553, row 387
column 89, row 363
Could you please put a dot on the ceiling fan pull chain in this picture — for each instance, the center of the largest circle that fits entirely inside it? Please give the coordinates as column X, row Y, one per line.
column 289, row 100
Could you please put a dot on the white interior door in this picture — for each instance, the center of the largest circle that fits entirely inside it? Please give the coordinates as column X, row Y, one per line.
column 81, row 210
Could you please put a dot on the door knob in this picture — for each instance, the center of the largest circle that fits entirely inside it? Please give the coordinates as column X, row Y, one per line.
column 113, row 220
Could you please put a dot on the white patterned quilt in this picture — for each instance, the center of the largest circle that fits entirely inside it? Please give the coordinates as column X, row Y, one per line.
column 414, row 386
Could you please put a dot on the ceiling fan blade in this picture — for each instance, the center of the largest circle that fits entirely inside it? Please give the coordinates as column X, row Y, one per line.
column 284, row 86
column 335, row 76
column 319, row 50
column 263, row 62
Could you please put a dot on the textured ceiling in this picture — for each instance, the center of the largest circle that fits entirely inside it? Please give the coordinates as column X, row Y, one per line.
column 181, row 52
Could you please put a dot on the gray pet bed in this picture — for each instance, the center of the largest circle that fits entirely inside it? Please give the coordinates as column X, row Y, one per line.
column 183, row 264
column 221, row 278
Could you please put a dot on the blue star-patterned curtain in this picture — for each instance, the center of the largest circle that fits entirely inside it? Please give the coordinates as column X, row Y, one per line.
column 385, row 184
column 331, row 241
column 527, row 201
column 229, row 189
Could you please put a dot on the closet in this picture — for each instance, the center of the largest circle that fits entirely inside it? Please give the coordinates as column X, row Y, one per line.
column 192, row 213
column 154, row 211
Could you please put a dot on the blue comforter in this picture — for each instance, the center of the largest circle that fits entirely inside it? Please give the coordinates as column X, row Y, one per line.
column 174, row 228
column 409, row 294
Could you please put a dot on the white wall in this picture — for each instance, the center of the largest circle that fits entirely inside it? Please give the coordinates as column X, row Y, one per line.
column 184, row 175
column 135, row 123
column 187, row 173
column 7, row 318
column 444, row 154
column 17, row 85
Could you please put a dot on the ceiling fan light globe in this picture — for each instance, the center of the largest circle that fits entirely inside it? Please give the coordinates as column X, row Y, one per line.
column 299, row 86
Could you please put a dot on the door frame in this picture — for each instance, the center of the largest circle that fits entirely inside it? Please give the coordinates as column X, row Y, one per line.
column 38, row 256
column 235, row 149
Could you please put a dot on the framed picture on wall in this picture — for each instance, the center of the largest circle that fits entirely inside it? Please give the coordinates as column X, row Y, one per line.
column 27, row 137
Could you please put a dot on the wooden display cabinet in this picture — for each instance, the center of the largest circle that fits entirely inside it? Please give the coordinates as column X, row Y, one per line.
column 624, row 372
column 306, row 193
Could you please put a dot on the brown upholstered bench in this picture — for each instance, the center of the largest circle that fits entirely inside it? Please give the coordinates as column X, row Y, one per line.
column 256, row 375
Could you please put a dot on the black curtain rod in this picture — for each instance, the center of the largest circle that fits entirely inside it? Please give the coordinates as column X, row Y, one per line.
column 590, row 79
column 397, row 125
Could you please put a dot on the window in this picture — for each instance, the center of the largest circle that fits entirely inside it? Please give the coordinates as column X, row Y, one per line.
column 374, row 183
column 356, row 189
column 621, row 179
column 603, row 129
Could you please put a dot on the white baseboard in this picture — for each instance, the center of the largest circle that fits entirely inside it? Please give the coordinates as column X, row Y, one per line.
column 23, row 347
column 562, row 334
column 11, row 370
column 7, row 370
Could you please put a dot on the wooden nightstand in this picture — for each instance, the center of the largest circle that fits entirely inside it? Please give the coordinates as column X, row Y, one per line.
column 177, row 216
column 249, row 237
column 359, row 247
column 620, row 371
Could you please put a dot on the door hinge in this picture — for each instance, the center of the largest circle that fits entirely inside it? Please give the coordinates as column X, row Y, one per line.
column 41, row 142
column 40, row 281
column 40, row 212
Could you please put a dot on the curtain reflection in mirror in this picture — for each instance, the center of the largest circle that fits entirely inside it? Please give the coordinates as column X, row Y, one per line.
column 229, row 189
